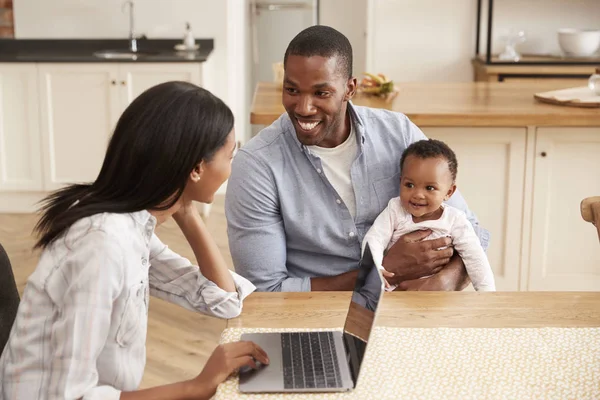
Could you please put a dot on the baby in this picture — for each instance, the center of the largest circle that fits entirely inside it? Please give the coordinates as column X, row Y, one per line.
column 428, row 169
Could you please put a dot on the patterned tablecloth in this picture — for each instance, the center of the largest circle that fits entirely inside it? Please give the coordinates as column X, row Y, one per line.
column 465, row 363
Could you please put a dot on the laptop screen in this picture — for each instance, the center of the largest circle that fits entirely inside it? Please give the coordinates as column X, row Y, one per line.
column 361, row 315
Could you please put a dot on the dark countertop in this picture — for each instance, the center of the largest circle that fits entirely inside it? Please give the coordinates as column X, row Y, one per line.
column 82, row 50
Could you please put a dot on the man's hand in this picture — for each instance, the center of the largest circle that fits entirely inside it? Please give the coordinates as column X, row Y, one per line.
column 411, row 257
column 453, row 277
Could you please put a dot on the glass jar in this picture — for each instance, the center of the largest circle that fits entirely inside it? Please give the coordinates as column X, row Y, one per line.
column 594, row 82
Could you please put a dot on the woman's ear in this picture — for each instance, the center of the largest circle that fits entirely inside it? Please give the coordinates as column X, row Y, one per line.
column 450, row 192
column 197, row 172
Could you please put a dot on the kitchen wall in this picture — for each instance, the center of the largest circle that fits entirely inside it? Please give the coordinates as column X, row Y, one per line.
column 410, row 40
column 6, row 19
column 350, row 18
column 434, row 40
column 82, row 19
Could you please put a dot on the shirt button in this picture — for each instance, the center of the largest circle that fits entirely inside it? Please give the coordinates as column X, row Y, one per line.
column 338, row 201
column 351, row 234
column 144, row 261
column 319, row 170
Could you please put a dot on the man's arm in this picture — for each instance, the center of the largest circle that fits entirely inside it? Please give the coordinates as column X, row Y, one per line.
column 257, row 238
column 255, row 227
column 341, row 282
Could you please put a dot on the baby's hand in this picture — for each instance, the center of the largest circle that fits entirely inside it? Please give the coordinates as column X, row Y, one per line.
column 387, row 274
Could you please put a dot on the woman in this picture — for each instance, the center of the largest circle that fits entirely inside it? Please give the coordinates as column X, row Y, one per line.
column 80, row 331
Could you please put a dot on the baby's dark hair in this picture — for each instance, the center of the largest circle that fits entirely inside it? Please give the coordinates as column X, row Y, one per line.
column 432, row 148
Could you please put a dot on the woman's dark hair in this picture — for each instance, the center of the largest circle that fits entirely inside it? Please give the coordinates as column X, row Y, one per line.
column 432, row 148
column 158, row 141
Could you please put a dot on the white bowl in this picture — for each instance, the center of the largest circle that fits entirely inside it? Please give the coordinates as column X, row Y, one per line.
column 579, row 42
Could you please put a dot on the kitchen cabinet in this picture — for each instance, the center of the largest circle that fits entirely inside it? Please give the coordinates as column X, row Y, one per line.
column 136, row 78
column 491, row 172
column 79, row 106
column 564, row 248
column 561, row 250
column 57, row 119
column 20, row 141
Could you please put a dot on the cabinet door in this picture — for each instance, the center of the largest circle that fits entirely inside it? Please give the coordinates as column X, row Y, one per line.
column 20, row 148
column 135, row 78
column 491, row 172
column 565, row 254
column 79, row 106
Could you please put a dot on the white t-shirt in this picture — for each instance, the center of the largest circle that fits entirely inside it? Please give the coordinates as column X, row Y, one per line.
column 336, row 166
column 395, row 221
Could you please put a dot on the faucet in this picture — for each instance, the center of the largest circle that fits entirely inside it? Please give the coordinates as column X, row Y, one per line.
column 132, row 39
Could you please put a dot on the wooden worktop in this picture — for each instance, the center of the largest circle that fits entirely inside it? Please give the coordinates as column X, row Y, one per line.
column 454, row 104
column 425, row 310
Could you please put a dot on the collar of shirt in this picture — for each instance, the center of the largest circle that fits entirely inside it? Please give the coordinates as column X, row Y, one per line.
column 146, row 223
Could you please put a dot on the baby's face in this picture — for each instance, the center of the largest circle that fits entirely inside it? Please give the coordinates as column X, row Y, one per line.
column 425, row 184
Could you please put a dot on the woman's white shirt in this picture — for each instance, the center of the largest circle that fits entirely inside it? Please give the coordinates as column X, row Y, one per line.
column 80, row 331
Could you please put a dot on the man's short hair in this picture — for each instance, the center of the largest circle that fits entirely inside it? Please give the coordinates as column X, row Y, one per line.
column 432, row 148
column 323, row 41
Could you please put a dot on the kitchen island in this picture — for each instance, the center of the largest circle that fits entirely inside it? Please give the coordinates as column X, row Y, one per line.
column 524, row 168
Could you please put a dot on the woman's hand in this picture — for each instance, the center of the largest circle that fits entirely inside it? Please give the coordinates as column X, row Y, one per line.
column 188, row 209
column 225, row 360
column 211, row 262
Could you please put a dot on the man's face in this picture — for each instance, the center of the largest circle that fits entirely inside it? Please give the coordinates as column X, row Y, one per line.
column 315, row 96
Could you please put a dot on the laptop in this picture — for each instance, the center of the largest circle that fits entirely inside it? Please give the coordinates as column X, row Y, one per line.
column 326, row 361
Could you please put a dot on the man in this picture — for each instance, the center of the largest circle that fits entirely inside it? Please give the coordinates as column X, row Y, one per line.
column 305, row 190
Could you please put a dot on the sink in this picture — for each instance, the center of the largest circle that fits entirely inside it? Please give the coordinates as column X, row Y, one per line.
column 121, row 54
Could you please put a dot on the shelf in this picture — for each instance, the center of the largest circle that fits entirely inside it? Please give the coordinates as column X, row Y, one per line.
column 543, row 59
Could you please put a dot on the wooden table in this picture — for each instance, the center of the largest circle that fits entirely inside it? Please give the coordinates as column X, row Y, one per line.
column 454, row 104
column 425, row 310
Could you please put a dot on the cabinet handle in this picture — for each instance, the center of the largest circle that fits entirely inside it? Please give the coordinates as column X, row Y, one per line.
column 113, row 82
column 543, row 154
column 123, row 83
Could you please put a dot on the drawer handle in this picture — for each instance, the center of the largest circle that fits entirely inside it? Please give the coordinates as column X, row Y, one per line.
column 113, row 82
column 543, row 154
column 123, row 83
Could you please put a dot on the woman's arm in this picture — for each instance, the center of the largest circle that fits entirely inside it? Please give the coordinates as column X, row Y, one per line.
column 211, row 288
column 209, row 257
column 226, row 359
column 175, row 391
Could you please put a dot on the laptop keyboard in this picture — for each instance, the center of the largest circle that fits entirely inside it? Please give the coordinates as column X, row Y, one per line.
column 309, row 360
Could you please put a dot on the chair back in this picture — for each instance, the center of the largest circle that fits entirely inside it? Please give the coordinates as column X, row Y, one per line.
column 590, row 211
column 9, row 298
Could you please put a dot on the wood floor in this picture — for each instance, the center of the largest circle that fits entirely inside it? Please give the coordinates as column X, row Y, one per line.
column 179, row 341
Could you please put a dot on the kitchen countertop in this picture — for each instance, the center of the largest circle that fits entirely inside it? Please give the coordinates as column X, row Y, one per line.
column 82, row 50
column 454, row 104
